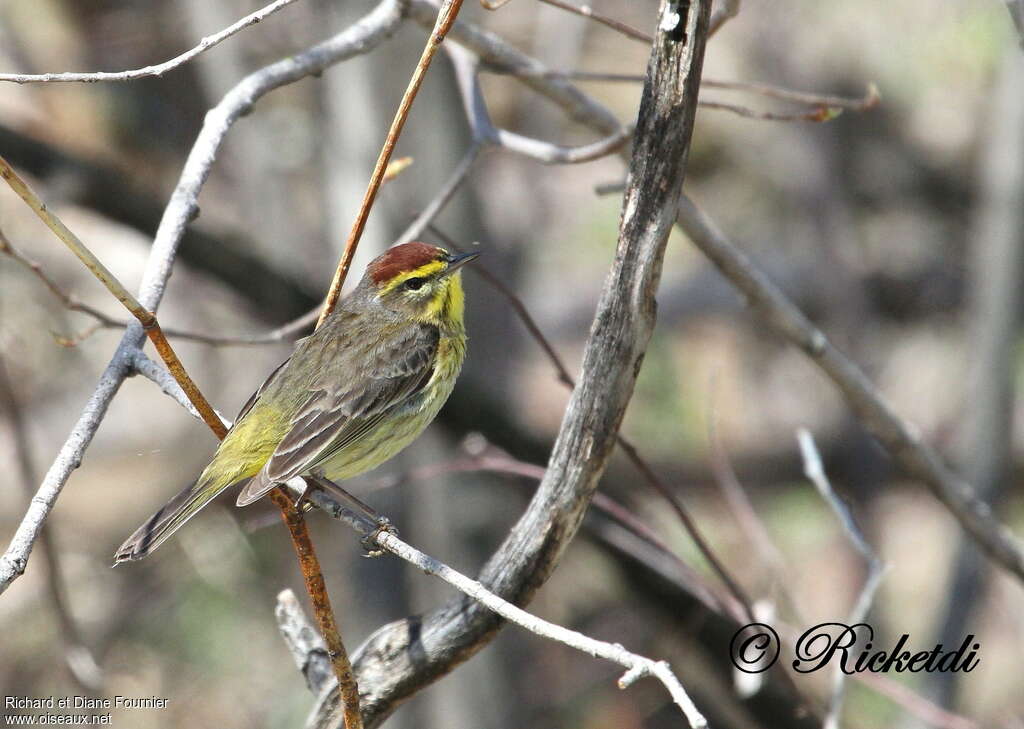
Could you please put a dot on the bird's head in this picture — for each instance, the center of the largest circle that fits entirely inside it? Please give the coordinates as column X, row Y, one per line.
column 419, row 280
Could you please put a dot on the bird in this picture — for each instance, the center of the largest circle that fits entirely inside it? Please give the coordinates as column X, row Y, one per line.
column 354, row 393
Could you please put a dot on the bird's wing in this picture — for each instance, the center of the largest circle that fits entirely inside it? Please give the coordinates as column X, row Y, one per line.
column 337, row 414
column 259, row 391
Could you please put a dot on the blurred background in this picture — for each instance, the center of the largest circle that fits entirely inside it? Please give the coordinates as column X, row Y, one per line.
column 893, row 229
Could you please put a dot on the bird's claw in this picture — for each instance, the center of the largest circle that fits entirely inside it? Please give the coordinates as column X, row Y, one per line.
column 302, row 504
column 369, row 542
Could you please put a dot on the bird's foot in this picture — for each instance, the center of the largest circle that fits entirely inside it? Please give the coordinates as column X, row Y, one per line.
column 369, row 542
column 302, row 504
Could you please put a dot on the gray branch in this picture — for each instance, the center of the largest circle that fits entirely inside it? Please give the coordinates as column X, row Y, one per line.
column 359, row 38
column 498, row 52
column 156, row 70
column 815, row 472
column 899, row 438
column 467, row 66
column 304, row 643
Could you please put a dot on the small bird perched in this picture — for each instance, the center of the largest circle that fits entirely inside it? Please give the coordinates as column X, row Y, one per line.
column 353, row 394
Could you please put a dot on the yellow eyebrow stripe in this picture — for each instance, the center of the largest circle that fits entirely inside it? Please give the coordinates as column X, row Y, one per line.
column 423, row 271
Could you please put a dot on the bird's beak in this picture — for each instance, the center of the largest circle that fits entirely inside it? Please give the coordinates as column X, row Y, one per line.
column 458, row 261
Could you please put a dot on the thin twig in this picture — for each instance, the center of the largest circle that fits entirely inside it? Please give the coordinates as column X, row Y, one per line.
column 815, row 472
column 821, row 115
column 466, row 64
column 900, row 439
column 588, row 12
column 554, row 154
column 869, row 100
column 66, row 299
column 159, row 69
column 282, row 333
column 445, row 18
column 636, row 666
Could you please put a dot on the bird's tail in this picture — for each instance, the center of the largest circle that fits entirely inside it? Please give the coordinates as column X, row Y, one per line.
column 159, row 527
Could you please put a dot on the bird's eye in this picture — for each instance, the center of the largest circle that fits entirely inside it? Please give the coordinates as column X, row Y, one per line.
column 415, row 284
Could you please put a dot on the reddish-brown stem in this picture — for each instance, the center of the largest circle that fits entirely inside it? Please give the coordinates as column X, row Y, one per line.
column 317, row 590
column 445, row 18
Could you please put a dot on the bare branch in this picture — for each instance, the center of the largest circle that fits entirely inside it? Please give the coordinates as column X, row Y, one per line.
column 823, row 114
column 637, row 666
column 496, row 51
column 304, row 642
column 871, row 97
column 282, row 333
column 905, row 446
column 553, row 154
column 815, row 472
column 588, row 12
column 159, row 69
column 466, row 65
